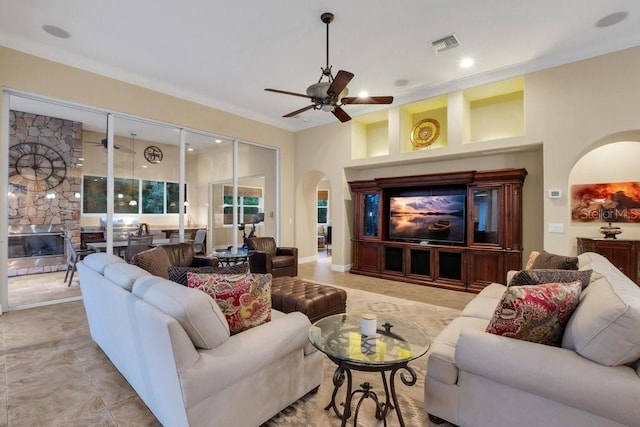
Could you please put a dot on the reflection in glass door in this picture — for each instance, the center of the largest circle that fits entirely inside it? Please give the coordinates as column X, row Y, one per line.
column 46, row 158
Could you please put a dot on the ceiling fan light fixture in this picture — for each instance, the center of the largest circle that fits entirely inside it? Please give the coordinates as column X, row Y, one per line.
column 327, row 107
column 318, row 90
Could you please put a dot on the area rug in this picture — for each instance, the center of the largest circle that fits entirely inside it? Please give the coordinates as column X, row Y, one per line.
column 309, row 411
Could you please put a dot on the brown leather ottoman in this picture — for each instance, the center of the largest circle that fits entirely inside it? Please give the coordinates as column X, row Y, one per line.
column 316, row 300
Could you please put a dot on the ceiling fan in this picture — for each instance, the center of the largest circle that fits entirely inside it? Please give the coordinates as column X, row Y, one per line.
column 331, row 95
column 105, row 141
column 119, row 147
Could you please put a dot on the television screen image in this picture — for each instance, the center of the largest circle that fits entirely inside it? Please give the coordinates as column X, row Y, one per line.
column 427, row 218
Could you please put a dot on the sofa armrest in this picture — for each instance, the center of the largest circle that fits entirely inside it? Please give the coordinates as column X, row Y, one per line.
column 551, row 372
column 259, row 262
column 288, row 251
column 510, row 275
column 246, row 353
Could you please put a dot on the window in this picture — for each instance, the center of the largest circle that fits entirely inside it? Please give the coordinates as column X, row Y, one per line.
column 148, row 195
column 323, row 206
column 250, row 203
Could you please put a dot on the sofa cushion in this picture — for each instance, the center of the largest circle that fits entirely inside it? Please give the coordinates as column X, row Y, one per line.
column 155, row 261
column 604, row 327
column 549, row 260
column 442, row 364
column 99, row 261
column 539, row 276
column 123, row 274
column 245, row 299
column 179, row 274
column 535, row 313
column 196, row 312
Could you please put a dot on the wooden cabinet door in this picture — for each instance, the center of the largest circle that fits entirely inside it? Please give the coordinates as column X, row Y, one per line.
column 367, row 257
column 484, row 268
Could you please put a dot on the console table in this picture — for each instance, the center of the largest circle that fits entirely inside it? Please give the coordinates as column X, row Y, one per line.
column 624, row 254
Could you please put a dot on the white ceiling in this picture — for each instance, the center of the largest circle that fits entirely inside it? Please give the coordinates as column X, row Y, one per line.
column 223, row 54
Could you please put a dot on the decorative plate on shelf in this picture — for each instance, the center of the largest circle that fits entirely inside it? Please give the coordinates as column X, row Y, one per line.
column 425, row 133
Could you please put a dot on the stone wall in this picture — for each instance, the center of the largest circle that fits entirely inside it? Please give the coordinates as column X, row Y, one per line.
column 58, row 205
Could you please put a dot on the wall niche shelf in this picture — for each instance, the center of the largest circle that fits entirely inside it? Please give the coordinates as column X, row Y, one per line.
column 412, row 114
column 370, row 135
column 476, row 116
column 465, row 243
column 495, row 111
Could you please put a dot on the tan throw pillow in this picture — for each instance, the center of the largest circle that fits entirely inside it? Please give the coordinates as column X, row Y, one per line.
column 547, row 260
column 532, row 257
column 155, row 261
column 535, row 313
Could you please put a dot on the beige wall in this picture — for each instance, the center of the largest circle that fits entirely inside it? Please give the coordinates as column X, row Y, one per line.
column 569, row 110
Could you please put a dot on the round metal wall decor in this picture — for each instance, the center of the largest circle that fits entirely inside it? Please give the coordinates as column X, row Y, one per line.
column 425, row 133
column 153, row 154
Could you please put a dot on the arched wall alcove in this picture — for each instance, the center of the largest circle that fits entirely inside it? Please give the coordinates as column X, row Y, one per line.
column 611, row 159
column 306, row 214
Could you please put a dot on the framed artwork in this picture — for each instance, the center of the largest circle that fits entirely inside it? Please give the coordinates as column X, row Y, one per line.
column 607, row 202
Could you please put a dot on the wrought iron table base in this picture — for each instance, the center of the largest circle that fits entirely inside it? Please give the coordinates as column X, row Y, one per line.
column 382, row 408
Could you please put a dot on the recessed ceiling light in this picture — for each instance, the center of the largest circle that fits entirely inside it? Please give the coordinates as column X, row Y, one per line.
column 56, row 31
column 190, row 149
column 466, row 63
column 218, row 141
column 363, row 94
column 612, row 19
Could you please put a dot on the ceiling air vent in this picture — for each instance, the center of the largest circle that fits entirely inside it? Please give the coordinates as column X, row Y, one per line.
column 445, row 43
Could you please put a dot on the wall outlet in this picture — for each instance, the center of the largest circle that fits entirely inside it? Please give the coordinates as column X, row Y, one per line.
column 556, row 228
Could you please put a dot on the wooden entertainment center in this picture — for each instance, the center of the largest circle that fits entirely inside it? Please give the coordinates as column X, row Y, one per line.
column 490, row 236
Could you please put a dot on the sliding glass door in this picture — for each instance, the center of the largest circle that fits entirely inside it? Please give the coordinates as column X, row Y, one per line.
column 97, row 176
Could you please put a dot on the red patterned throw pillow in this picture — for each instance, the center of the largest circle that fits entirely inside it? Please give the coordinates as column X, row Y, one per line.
column 245, row 299
column 536, row 313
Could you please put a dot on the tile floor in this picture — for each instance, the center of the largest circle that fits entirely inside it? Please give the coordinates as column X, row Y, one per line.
column 52, row 374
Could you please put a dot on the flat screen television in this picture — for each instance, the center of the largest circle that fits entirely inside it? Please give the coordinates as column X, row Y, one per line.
column 430, row 218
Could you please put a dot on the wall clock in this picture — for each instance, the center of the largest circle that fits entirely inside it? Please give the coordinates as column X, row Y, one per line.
column 425, row 133
column 36, row 166
column 153, row 154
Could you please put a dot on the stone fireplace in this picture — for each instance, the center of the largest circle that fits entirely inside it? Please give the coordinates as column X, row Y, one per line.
column 37, row 216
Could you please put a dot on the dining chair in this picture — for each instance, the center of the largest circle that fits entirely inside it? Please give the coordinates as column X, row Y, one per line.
column 198, row 241
column 137, row 244
column 74, row 254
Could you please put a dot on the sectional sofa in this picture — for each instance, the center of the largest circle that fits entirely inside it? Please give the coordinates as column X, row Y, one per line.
column 173, row 345
column 475, row 378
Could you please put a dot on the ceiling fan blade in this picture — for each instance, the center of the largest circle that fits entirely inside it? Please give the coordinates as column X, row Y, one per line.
column 286, row 92
column 341, row 114
column 118, row 147
column 367, row 100
column 340, row 81
column 295, row 113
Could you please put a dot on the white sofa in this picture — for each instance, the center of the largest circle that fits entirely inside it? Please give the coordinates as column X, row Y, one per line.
column 172, row 344
column 479, row 379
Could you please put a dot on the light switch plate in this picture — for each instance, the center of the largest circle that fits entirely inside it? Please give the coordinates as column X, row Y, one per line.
column 556, row 228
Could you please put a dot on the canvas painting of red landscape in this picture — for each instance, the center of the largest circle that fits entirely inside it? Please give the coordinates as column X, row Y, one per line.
column 608, row 202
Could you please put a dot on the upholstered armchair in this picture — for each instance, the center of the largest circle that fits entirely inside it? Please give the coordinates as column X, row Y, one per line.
column 266, row 257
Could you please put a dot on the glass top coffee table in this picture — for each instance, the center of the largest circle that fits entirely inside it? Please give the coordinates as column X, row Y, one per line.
column 395, row 344
column 228, row 258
